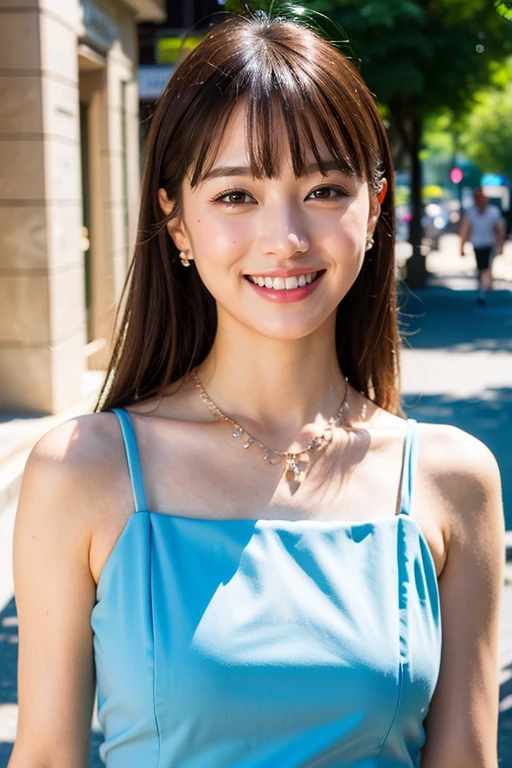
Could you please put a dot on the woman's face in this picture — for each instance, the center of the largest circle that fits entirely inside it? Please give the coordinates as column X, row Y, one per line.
column 278, row 255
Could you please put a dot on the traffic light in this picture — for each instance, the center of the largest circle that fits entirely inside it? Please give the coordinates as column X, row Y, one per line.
column 456, row 175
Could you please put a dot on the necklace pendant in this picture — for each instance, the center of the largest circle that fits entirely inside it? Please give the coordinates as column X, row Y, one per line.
column 292, row 472
column 327, row 435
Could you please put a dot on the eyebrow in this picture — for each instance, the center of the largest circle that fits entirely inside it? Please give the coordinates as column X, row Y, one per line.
column 222, row 171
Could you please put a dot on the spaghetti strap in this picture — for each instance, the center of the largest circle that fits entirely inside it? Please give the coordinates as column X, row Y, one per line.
column 410, row 459
column 132, row 455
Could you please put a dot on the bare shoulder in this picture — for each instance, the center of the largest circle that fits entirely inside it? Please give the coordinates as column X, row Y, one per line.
column 77, row 445
column 450, row 450
column 451, row 453
column 61, row 495
column 77, row 462
column 464, row 475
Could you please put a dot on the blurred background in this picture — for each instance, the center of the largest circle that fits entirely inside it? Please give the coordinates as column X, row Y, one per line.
column 79, row 80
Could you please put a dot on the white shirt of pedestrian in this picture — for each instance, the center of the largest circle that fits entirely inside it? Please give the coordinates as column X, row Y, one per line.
column 483, row 234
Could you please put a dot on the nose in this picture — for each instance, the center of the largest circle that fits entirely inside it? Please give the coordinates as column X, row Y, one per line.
column 281, row 234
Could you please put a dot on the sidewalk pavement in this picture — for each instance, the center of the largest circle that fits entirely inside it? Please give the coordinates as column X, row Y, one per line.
column 457, row 369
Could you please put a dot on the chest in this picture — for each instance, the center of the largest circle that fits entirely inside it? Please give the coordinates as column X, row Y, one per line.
column 319, row 628
column 200, row 475
column 482, row 224
column 322, row 630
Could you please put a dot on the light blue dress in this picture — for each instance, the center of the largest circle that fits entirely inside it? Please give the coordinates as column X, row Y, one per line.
column 266, row 643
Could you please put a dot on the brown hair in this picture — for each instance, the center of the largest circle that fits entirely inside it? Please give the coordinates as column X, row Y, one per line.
column 287, row 75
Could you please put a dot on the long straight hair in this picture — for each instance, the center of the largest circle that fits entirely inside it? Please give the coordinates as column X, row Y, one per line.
column 287, row 75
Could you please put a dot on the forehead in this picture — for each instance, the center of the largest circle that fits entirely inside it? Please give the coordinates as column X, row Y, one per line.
column 236, row 150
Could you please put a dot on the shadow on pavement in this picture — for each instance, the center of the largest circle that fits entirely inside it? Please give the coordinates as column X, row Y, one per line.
column 9, row 685
column 505, row 722
column 439, row 317
column 447, row 319
column 8, row 667
column 487, row 417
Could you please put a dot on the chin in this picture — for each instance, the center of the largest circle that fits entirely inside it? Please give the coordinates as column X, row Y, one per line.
column 291, row 331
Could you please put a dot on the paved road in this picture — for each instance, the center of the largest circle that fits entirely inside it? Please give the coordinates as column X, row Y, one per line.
column 458, row 370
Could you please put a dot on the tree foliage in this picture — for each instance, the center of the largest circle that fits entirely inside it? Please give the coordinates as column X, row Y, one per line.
column 487, row 136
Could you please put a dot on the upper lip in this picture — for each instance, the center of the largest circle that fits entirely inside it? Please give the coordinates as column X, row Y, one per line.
column 294, row 272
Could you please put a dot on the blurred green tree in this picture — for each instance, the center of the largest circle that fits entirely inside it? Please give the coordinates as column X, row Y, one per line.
column 487, row 135
column 418, row 57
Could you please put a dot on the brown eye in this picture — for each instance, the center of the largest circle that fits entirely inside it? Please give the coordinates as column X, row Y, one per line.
column 326, row 193
column 235, row 197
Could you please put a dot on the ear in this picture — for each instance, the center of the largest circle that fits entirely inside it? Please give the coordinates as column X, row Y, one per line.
column 375, row 207
column 383, row 191
column 175, row 226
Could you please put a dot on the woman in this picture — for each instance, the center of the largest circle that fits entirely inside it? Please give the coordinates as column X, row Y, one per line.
column 263, row 562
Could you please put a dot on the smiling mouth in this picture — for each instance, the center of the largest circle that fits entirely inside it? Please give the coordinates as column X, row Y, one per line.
column 285, row 283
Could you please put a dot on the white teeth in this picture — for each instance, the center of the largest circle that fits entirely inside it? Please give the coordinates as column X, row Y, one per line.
column 291, row 282
column 282, row 283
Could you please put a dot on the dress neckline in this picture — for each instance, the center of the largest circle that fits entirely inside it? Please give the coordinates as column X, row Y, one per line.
column 261, row 523
column 277, row 520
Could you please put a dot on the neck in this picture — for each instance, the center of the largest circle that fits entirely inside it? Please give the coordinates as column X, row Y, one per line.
column 279, row 389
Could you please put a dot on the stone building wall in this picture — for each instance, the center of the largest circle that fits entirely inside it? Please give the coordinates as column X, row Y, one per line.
column 68, row 134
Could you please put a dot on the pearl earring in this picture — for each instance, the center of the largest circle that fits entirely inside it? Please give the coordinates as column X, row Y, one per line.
column 184, row 260
column 369, row 244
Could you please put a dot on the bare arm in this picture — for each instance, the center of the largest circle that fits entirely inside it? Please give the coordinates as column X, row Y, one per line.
column 462, row 722
column 499, row 230
column 55, row 594
column 464, row 232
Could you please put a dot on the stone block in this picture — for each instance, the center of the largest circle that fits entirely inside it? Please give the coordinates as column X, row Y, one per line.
column 67, row 303
column 23, row 237
column 24, row 309
column 21, row 170
column 68, row 365
column 64, row 224
column 67, row 10
column 60, row 109
column 21, row 102
column 26, row 379
column 20, row 41
column 63, row 170
column 58, row 48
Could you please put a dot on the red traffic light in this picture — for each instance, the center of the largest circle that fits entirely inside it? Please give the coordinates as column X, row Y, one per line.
column 456, row 175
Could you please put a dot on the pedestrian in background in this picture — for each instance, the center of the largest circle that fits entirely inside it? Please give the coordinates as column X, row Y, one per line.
column 248, row 547
column 483, row 226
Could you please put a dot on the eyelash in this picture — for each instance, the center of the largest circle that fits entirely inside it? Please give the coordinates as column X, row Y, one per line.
column 220, row 198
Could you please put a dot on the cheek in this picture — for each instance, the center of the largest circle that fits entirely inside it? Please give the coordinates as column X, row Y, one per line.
column 344, row 237
column 221, row 241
